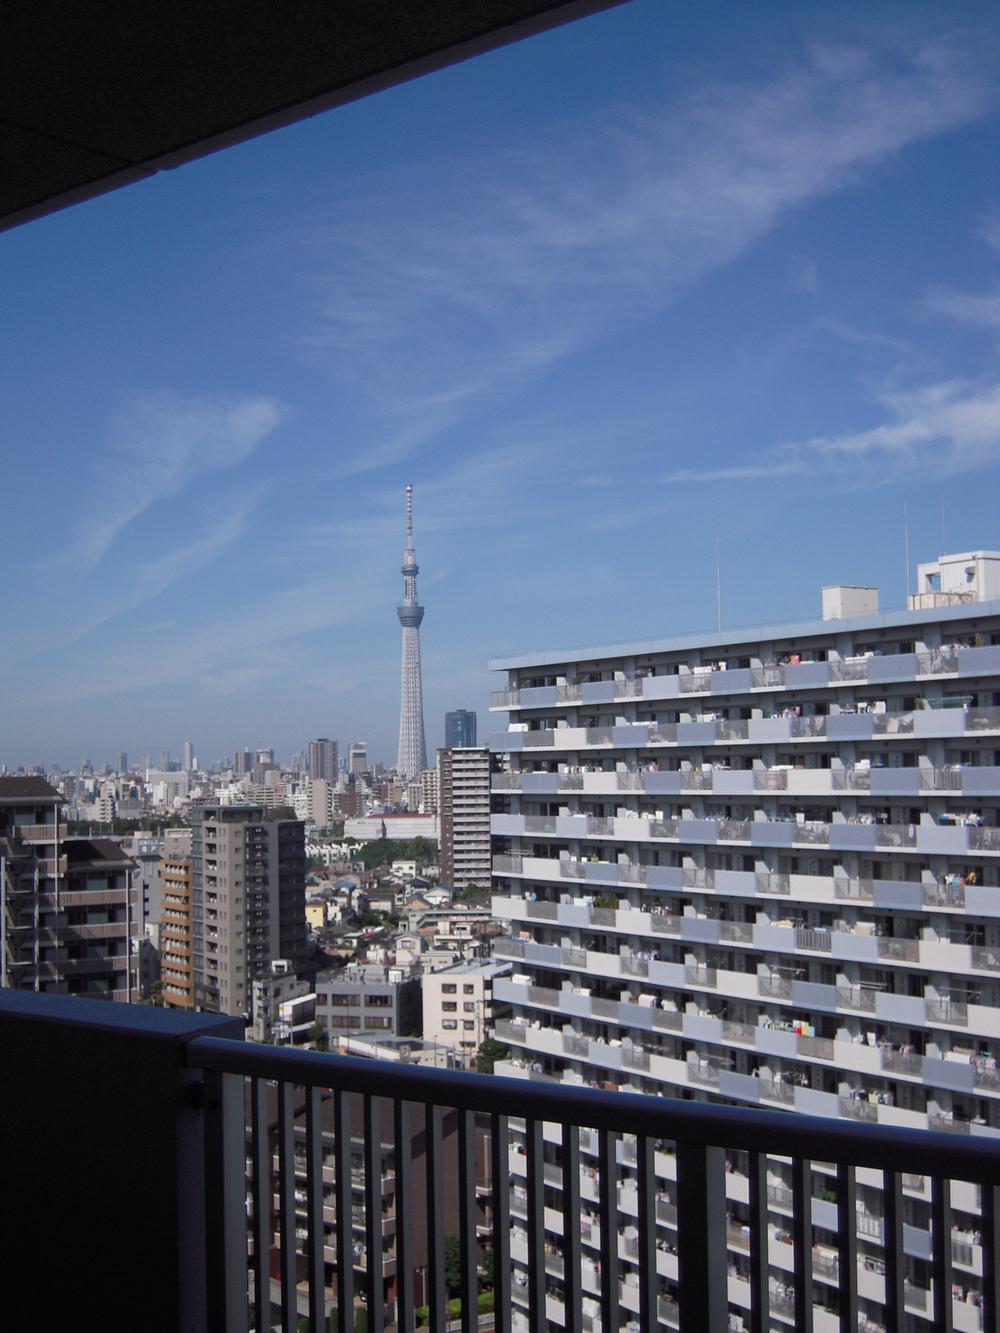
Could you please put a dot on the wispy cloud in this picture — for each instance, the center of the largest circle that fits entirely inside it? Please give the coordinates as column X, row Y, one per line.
column 431, row 311
column 803, row 276
column 981, row 309
column 939, row 429
column 989, row 228
column 158, row 444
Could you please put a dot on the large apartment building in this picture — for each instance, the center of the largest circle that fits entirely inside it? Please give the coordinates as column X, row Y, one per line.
column 248, row 901
column 67, row 911
column 464, row 802
column 763, row 867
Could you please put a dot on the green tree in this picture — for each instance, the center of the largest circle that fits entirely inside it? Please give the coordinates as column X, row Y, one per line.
column 490, row 1051
column 317, row 1037
column 452, row 1265
column 487, row 1271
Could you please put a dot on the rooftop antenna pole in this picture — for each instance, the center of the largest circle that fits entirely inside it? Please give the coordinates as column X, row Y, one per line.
column 906, row 546
column 944, row 546
column 409, row 515
column 718, row 585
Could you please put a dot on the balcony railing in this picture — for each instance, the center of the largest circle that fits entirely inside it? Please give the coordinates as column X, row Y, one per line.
column 216, row 1174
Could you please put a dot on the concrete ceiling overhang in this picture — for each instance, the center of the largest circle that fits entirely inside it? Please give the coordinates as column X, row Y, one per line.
column 95, row 94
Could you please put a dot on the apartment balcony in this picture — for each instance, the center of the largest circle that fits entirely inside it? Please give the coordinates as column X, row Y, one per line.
column 205, row 1185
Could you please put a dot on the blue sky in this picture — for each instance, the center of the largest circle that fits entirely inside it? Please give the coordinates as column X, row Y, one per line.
column 671, row 269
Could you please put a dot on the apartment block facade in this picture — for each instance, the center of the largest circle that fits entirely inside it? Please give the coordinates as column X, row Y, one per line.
column 248, row 901
column 464, row 807
column 763, row 867
column 176, row 926
column 68, row 912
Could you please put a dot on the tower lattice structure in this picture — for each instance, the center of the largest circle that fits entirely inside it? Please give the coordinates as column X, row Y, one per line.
column 412, row 757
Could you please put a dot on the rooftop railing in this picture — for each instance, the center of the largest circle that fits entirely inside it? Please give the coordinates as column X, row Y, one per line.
column 212, row 1174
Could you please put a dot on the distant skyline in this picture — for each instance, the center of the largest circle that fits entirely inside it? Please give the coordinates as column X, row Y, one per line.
column 664, row 271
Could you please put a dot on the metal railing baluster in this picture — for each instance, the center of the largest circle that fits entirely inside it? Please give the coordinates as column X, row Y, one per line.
column 571, row 1227
column 286, row 1206
column 535, row 1143
column 500, row 1171
column 373, row 1214
column 342, row 1192
column 895, row 1256
column 434, row 1161
column 644, row 1152
column 403, row 1138
column 990, row 1209
column 314, row 1204
column 802, row 1242
column 847, row 1246
column 941, row 1262
column 261, row 1187
column 607, row 1174
column 701, row 1237
column 468, row 1247
column 757, row 1170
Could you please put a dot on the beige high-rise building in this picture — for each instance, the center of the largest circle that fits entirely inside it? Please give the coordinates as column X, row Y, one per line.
column 464, row 805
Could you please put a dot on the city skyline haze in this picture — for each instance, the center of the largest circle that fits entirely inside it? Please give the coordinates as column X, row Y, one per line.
column 661, row 279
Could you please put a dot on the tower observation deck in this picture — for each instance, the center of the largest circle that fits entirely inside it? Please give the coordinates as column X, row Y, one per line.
column 412, row 747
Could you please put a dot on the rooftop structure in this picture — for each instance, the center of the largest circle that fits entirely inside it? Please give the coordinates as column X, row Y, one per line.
column 763, row 868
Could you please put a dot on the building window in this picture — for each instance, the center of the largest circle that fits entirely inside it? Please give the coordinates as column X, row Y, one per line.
column 378, row 1001
column 449, row 989
column 449, row 1008
column 469, row 1008
column 449, row 1024
column 467, row 1026
column 468, row 990
column 344, row 1001
column 378, row 1023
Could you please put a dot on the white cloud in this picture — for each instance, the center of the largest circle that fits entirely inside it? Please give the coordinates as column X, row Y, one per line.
column 938, row 429
column 803, row 276
column 981, row 309
column 489, row 278
column 989, row 228
column 159, row 443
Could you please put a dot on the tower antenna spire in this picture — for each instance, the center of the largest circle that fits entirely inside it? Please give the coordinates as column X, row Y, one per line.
column 412, row 746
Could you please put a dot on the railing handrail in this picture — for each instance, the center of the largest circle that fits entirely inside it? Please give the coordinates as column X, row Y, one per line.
column 704, row 1124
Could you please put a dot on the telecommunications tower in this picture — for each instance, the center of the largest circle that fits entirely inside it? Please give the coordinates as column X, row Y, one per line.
column 412, row 748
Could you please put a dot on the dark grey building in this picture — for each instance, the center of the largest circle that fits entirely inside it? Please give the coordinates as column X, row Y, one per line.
column 248, row 889
column 323, row 760
column 459, row 729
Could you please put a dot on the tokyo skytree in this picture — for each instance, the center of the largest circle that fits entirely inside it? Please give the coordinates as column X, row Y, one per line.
column 412, row 748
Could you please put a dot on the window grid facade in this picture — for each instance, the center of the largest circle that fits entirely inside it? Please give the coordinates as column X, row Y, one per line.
column 763, row 869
